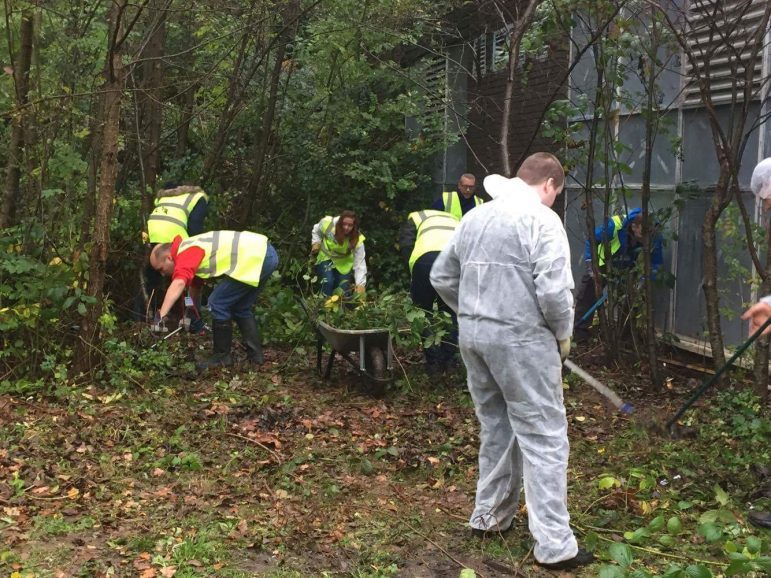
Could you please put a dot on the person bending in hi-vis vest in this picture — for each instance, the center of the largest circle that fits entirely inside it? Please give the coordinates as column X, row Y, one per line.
column 624, row 236
column 244, row 261
column 179, row 210
column 338, row 246
column 422, row 237
column 459, row 202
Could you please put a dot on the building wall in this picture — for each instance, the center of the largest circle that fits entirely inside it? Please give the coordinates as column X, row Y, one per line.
column 536, row 87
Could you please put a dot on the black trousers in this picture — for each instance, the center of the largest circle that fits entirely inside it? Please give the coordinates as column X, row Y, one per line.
column 424, row 296
column 585, row 298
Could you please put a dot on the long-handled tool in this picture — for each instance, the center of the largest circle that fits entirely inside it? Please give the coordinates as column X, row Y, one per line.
column 601, row 388
column 165, row 337
column 595, row 307
column 699, row 391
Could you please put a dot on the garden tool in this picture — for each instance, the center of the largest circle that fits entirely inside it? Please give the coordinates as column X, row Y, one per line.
column 601, row 388
column 699, row 391
column 594, row 307
column 167, row 336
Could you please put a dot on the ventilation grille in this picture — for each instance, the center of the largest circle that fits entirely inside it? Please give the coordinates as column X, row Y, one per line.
column 720, row 38
column 436, row 83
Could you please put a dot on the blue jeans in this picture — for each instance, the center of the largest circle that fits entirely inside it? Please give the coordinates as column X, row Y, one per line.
column 331, row 278
column 232, row 299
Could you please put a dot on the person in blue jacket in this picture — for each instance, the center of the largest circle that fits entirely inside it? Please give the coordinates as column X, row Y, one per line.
column 624, row 236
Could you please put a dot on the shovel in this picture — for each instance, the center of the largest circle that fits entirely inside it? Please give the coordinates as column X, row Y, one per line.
column 601, row 388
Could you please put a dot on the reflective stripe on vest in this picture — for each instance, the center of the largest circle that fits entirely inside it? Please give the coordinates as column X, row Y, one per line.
column 615, row 241
column 452, row 203
column 340, row 254
column 238, row 255
column 435, row 229
column 170, row 215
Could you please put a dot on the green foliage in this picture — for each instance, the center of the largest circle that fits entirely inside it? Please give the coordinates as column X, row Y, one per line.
column 40, row 298
column 410, row 326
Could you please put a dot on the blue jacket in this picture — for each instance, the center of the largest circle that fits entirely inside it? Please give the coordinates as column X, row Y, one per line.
column 629, row 250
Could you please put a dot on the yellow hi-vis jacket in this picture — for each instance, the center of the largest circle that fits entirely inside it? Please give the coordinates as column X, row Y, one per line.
column 434, row 230
column 170, row 215
column 238, row 255
column 340, row 254
column 615, row 241
column 452, row 203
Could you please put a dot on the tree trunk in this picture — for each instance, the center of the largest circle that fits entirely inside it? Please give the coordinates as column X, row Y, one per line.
column 648, row 228
column 515, row 39
column 253, row 188
column 113, row 88
column 12, row 190
column 710, row 267
column 152, row 77
column 235, row 94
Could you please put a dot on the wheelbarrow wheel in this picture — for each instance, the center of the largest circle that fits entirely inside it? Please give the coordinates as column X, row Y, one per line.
column 376, row 363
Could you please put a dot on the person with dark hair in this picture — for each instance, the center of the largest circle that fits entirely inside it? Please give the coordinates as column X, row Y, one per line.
column 338, row 247
column 506, row 273
column 421, row 238
column 459, row 202
column 244, row 260
column 623, row 234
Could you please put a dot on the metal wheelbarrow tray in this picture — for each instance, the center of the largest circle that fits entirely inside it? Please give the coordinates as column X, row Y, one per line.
column 373, row 346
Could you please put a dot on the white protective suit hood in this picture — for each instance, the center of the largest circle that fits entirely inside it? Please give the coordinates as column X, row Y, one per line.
column 760, row 183
column 498, row 186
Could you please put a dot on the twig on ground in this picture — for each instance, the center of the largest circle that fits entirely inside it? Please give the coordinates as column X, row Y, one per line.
column 442, row 550
column 522, row 562
column 409, row 383
column 456, row 516
column 255, row 442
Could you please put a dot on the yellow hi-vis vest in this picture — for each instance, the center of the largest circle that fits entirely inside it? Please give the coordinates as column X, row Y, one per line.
column 238, row 255
column 169, row 218
column 340, row 254
column 452, row 203
column 615, row 241
column 434, row 230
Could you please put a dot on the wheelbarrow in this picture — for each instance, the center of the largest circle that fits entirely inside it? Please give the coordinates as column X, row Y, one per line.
column 373, row 346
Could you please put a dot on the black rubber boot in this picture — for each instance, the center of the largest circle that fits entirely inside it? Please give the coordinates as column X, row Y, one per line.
column 223, row 339
column 581, row 559
column 251, row 336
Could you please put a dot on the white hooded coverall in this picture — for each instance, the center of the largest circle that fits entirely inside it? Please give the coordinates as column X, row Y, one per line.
column 506, row 272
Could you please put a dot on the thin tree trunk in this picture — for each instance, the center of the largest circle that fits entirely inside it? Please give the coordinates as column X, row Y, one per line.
column 710, row 268
column 152, row 77
column 515, row 39
column 113, row 88
column 12, row 190
column 648, row 229
column 94, row 154
column 235, row 94
column 263, row 144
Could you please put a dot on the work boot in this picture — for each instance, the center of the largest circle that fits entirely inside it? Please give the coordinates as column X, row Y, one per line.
column 223, row 339
column 582, row 558
column 251, row 336
column 760, row 519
